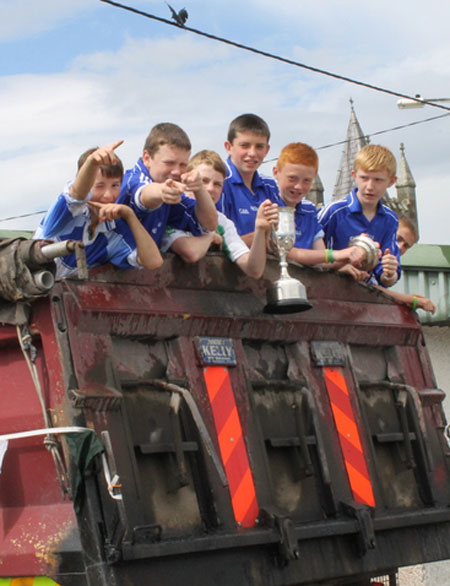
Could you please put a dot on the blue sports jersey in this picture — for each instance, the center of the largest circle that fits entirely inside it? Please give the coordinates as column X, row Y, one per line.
column 344, row 218
column 181, row 215
column 70, row 219
column 239, row 204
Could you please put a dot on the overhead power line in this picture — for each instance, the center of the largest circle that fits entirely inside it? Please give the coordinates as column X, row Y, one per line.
column 378, row 132
column 23, row 216
column 272, row 56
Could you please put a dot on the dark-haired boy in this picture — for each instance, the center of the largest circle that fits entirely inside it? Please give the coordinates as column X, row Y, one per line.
column 154, row 188
column 87, row 211
column 244, row 190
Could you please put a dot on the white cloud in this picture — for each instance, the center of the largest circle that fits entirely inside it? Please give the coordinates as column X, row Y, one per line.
column 47, row 120
column 20, row 19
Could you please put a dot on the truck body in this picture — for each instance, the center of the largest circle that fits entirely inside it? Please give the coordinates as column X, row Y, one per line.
column 214, row 443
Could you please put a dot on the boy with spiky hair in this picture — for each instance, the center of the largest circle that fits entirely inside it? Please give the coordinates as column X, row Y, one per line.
column 244, row 189
column 362, row 212
column 191, row 248
column 154, row 188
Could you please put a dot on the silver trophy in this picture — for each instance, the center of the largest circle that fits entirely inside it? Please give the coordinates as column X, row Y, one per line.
column 286, row 295
column 372, row 253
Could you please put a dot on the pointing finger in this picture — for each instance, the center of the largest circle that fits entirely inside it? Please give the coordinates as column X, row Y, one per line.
column 116, row 144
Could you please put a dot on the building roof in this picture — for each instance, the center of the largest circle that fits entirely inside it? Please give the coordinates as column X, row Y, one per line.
column 427, row 256
column 16, row 234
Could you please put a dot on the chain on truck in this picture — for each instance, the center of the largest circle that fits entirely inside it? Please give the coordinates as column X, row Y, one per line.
column 159, row 427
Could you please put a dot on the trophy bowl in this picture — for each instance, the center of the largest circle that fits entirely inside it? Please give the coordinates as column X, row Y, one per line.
column 369, row 247
column 286, row 295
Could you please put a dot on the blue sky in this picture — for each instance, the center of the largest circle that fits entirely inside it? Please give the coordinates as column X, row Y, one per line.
column 80, row 73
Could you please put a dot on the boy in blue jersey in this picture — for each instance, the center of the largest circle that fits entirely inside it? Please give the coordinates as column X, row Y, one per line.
column 155, row 187
column 407, row 236
column 244, row 190
column 86, row 211
column 295, row 171
column 252, row 261
column 362, row 212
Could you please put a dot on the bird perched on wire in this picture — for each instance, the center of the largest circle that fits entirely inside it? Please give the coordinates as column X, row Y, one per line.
column 179, row 17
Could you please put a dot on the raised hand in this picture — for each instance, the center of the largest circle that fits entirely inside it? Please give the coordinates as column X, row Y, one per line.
column 105, row 155
column 171, row 191
column 390, row 264
column 267, row 215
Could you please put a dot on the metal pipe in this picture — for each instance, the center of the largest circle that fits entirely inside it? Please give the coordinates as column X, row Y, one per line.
column 44, row 280
column 56, row 249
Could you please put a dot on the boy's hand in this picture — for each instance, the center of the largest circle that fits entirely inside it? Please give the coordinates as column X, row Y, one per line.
column 357, row 274
column 105, row 155
column 357, row 256
column 192, row 181
column 389, row 263
column 267, row 216
column 425, row 303
column 109, row 211
column 216, row 240
column 171, row 191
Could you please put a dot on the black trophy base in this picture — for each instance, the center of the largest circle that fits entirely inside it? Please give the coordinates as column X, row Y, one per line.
column 283, row 306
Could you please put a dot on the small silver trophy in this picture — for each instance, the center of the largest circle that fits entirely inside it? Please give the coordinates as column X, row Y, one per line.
column 370, row 248
column 286, row 295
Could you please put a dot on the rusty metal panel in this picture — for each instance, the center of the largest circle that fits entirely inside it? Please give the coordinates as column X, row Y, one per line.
column 125, row 354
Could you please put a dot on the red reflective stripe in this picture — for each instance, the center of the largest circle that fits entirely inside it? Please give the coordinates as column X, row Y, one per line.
column 229, row 435
column 232, row 445
column 245, row 508
column 349, row 437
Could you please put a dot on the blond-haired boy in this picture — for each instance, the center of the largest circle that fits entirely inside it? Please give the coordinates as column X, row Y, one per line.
column 362, row 212
column 251, row 260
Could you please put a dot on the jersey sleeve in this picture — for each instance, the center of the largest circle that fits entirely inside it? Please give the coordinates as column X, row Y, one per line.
column 325, row 221
column 61, row 215
column 233, row 245
column 120, row 253
column 170, row 236
column 182, row 216
column 133, row 183
column 318, row 230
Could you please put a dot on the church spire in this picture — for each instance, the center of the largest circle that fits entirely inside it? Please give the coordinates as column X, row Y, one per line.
column 355, row 141
column 316, row 192
column 406, row 188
